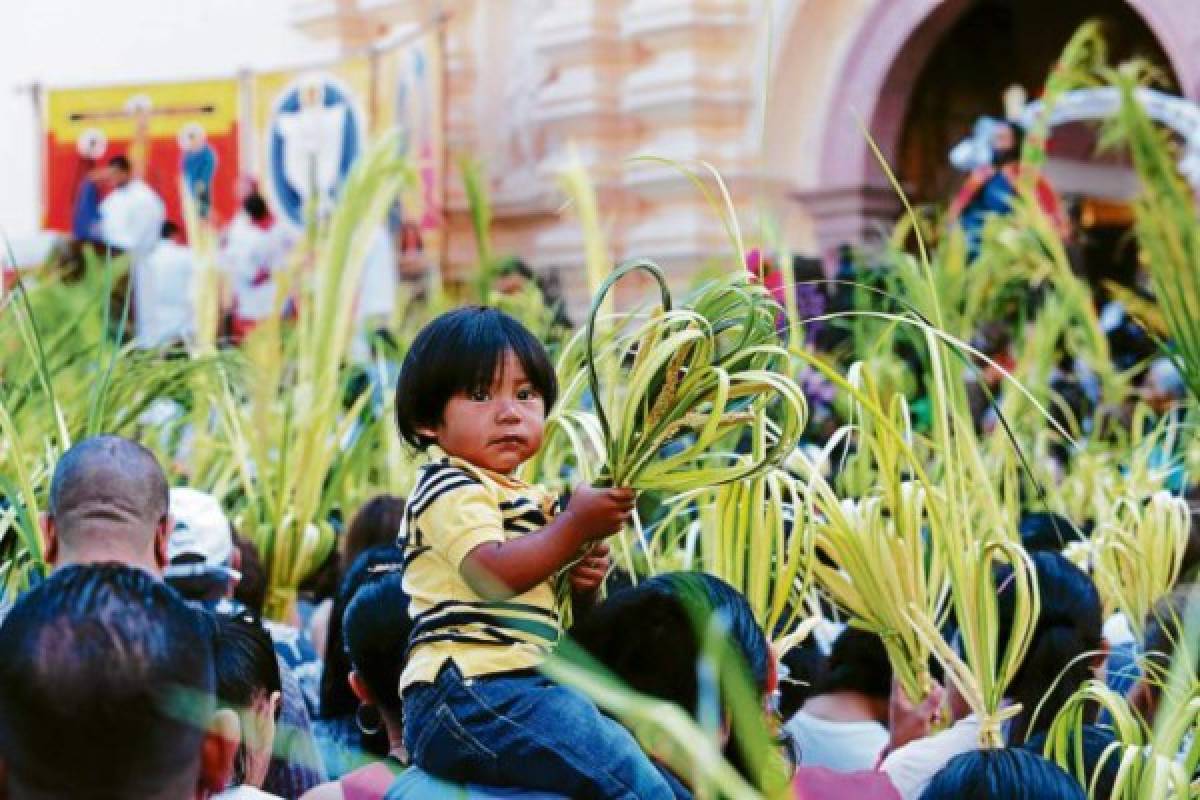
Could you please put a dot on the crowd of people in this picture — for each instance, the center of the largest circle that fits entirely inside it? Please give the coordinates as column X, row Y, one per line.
column 142, row 666
column 117, row 213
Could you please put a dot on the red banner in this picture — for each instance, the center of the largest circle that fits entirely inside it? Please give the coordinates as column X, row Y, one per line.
column 172, row 134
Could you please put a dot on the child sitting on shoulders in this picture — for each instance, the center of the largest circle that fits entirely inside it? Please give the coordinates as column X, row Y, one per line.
column 486, row 554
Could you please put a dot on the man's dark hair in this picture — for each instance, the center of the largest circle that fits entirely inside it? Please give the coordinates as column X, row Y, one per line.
column 806, row 666
column 1046, row 530
column 107, row 481
column 1069, row 630
column 245, row 660
column 650, row 637
column 858, row 663
column 106, row 686
column 169, row 229
column 1100, row 765
column 1011, row 773
column 376, row 629
column 462, row 351
column 371, row 564
column 256, row 207
column 247, row 670
column 120, row 162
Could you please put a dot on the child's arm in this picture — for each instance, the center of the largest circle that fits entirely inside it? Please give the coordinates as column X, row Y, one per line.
column 501, row 570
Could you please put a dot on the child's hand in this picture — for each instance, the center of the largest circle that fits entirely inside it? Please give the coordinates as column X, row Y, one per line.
column 588, row 575
column 596, row 513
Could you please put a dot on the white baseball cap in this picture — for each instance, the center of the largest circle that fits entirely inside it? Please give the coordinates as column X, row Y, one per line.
column 202, row 540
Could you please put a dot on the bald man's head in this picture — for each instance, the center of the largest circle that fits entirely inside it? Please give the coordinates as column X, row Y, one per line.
column 108, row 502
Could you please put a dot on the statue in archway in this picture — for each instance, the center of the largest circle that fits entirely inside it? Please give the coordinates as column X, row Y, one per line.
column 991, row 187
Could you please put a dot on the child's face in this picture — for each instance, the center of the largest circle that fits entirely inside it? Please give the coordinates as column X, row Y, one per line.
column 499, row 429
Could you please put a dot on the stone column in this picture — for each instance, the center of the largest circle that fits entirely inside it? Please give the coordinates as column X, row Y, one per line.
column 692, row 96
column 578, row 111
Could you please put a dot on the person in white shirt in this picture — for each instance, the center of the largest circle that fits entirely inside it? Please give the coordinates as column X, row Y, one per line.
column 256, row 248
column 843, row 725
column 131, row 219
column 376, row 301
column 1067, row 649
column 377, row 290
column 167, row 279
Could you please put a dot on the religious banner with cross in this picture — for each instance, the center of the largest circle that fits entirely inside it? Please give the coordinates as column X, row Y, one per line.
column 174, row 134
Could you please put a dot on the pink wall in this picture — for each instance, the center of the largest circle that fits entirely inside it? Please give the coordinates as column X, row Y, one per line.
column 872, row 84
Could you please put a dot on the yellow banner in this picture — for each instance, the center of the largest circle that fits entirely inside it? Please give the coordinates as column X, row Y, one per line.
column 116, row 110
column 170, row 132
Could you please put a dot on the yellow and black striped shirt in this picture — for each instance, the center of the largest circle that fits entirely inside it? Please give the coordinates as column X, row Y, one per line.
column 455, row 507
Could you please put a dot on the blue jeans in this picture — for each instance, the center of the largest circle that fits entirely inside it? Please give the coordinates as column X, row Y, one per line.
column 525, row 730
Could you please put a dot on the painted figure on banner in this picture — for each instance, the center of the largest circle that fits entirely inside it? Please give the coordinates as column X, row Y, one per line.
column 315, row 137
column 415, row 118
column 89, row 180
column 197, row 166
column 522, row 145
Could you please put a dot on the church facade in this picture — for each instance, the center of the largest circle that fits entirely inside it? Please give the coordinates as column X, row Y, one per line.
column 776, row 95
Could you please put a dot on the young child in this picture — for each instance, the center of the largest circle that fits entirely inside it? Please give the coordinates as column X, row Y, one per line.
column 484, row 553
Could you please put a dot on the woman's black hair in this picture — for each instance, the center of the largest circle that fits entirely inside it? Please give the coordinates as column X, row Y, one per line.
column 806, row 666
column 376, row 524
column 1012, row 774
column 336, row 698
column 376, row 629
column 1100, row 765
column 1046, row 530
column 246, row 667
column 462, row 351
column 858, row 663
column 245, row 659
column 649, row 636
column 1068, row 633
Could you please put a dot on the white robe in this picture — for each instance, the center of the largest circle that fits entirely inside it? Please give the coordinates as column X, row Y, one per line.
column 312, row 150
column 376, row 300
column 249, row 250
column 377, row 290
column 168, row 277
column 131, row 219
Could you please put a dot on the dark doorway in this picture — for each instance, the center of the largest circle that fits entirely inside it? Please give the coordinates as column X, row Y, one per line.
column 995, row 44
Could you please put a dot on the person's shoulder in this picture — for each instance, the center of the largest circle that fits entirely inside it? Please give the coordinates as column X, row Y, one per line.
column 916, row 762
column 440, row 478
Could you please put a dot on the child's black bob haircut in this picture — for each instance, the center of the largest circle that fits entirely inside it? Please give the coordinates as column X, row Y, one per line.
column 462, row 351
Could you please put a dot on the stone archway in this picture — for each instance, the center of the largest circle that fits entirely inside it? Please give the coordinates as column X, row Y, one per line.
column 847, row 196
